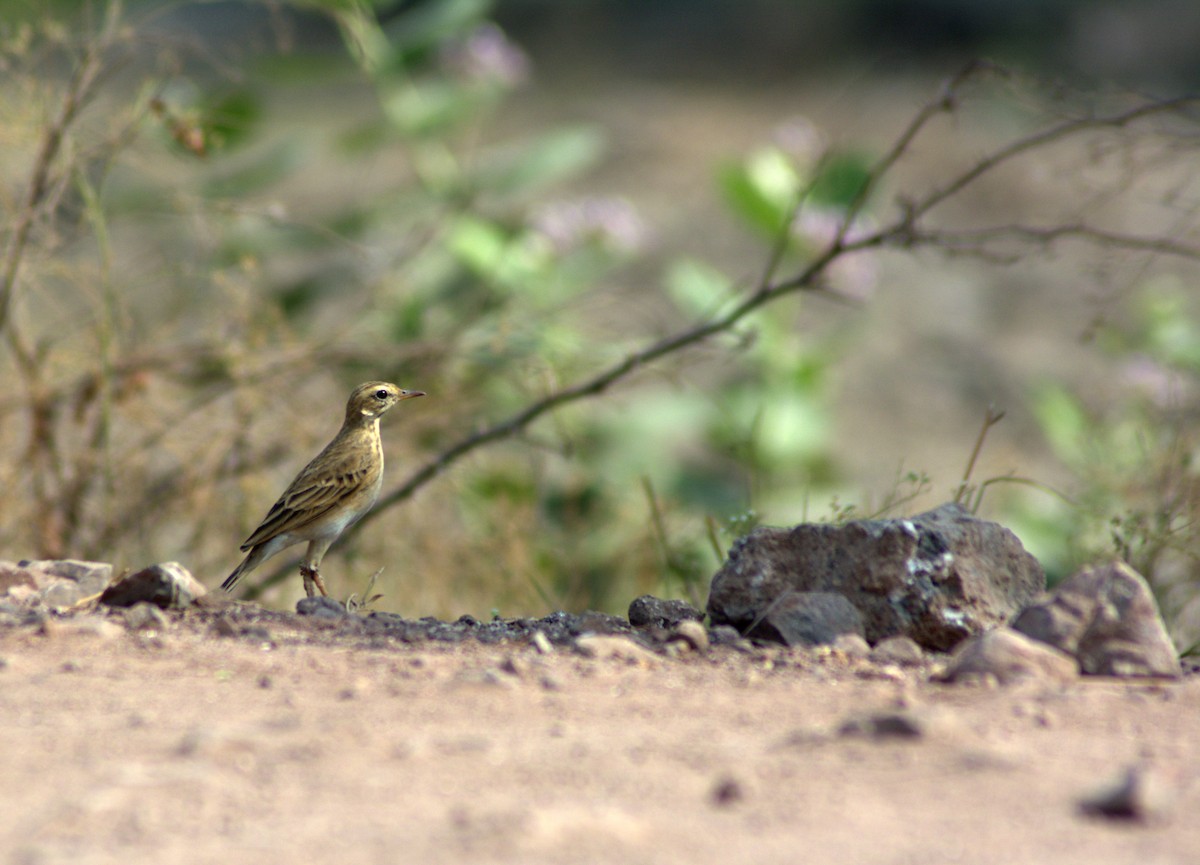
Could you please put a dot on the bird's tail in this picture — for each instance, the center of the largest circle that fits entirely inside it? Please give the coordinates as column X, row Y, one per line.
column 252, row 561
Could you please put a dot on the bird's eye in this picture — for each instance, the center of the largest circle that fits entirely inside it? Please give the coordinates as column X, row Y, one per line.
column 381, row 395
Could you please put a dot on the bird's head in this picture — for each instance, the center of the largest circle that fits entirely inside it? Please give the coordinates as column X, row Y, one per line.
column 373, row 399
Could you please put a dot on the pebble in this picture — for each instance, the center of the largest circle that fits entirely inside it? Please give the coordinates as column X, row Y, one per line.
column 1006, row 656
column 726, row 791
column 145, row 616
column 1144, row 793
column 852, row 645
column 605, row 647
column 899, row 649
column 691, row 633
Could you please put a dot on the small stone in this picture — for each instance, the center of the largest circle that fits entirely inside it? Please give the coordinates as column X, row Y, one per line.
column 90, row 577
column 1144, row 794
column 649, row 611
column 321, row 607
column 605, row 647
column 168, row 585
column 145, row 616
column 62, row 594
column 542, row 643
column 724, row 635
column 900, row 725
column 691, row 633
column 900, row 649
column 12, row 575
column 1106, row 617
column 1008, row 656
column 513, row 666
column 852, row 645
column 726, row 791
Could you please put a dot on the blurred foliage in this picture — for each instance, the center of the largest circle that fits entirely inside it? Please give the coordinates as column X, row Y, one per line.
column 456, row 266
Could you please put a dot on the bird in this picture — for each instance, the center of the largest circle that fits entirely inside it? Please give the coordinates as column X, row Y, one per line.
column 331, row 493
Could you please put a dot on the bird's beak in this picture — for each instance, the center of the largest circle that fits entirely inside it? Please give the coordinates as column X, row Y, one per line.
column 410, row 394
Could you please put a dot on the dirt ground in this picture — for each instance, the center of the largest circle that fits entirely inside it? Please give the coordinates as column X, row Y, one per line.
column 303, row 742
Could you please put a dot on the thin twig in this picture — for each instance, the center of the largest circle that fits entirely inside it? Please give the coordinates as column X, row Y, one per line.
column 990, row 418
column 76, row 96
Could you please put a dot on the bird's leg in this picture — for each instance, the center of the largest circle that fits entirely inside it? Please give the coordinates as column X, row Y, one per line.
column 310, row 567
column 312, row 581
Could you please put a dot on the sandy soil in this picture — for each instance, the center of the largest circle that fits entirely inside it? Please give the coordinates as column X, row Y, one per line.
column 301, row 742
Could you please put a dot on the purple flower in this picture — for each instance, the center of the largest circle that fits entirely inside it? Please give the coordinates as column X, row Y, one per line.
column 612, row 222
column 486, row 55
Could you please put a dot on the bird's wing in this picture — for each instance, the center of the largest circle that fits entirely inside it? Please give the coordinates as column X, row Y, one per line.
column 321, row 486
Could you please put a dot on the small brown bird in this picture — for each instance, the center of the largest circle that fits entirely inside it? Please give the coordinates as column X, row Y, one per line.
column 331, row 492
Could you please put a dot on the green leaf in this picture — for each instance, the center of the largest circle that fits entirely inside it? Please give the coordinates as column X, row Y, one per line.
column 762, row 190
column 428, row 109
column 424, row 26
column 839, row 180
column 479, row 244
column 231, row 117
column 256, row 173
column 529, row 166
column 698, row 288
column 1063, row 419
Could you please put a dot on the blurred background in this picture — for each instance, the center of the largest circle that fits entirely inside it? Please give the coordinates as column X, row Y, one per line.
column 219, row 217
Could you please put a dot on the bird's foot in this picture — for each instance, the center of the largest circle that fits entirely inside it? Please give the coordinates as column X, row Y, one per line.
column 312, row 581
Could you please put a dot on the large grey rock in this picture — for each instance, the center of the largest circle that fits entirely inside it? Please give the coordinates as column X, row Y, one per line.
column 168, row 585
column 938, row 577
column 809, row 619
column 1008, row 656
column 1105, row 616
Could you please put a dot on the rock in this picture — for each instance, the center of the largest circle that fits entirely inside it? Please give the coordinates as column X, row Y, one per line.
column 1107, row 618
column 900, row 650
column 726, row 791
column 13, row 575
column 167, row 585
column 897, row 724
column 1008, row 656
column 938, row 578
column 809, row 619
column 648, row 611
column 62, row 594
column 541, row 643
column 1143, row 793
column 321, row 607
column 59, row 583
column 163, row 585
column 692, row 633
column 852, row 645
column 607, row 647
column 145, row 616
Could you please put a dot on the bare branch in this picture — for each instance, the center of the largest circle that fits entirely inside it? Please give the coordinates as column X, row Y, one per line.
column 977, row 240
